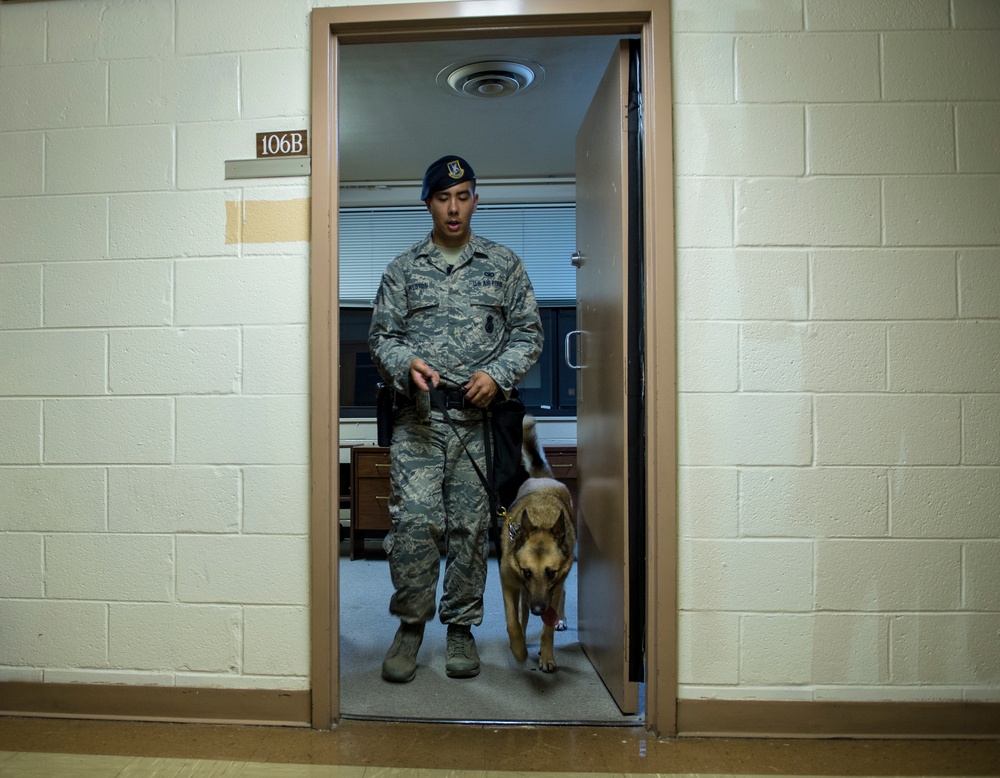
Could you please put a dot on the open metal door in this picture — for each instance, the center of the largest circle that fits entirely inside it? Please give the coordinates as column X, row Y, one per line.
column 606, row 612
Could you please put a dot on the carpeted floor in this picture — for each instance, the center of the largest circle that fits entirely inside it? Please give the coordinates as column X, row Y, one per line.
column 504, row 691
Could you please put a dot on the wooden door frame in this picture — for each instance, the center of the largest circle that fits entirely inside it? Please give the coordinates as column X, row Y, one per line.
column 490, row 19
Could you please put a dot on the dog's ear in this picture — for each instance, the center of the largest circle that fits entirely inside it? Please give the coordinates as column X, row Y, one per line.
column 559, row 529
column 523, row 527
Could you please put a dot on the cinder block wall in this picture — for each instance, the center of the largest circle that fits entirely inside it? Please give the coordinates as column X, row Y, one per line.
column 153, row 394
column 838, row 218
column 839, row 278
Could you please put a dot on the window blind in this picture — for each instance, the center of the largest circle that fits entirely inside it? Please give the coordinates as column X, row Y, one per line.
column 544, row 236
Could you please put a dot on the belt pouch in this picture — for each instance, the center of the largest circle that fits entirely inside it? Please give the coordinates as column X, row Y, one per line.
column 384, row 396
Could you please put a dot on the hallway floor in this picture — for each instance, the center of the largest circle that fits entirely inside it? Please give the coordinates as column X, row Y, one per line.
column 365, row 749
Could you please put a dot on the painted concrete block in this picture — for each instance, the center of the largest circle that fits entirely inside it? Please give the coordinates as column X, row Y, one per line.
column 841, row 68
column 243, row 430
column 814, row 649
column 178, row 89
column 48, row 96
column 703, row 68
column 942, row 210
column 877, row 575
column 708, row 503
column 810, row 212
column 704, row 212
column 739, row 140
column 821, row 357
column 708, row 357
column 877, row 15
column 22, row 35
column 976, row 15
column 275, row 360
column 944, row 502
column 770, row 284
column 276, row 500
column 982, row 576
column 22, row 164
column 35, row 634
column 37, row 229
column 740, row 575
column 173, row 499
column 813, row 502
column 109, row 159
column 20, row 431
column 264, row 570
column 113, row 30
column 109, row 567
column 708, row 647
column 182, row 637
column 52, row 363
column 276, row 640
column 976, row 129
column 125, row 430
column 20, row 297
column 745, row 429
column 275, row 83
column 981, row 430
column 961, row 357
column 888, row 139
column 883, row 284
column 979, row 283
column 945, row 648
column 174, row 361
column 877, row 429
column 736, row 16
column 252, row 290
column 959, row 66
column 169, row 224
column 240, row 25
column 53, row 499
column 100, row 294
column 21, row 565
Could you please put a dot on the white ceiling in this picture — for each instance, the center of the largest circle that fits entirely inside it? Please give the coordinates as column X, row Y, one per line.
column 395, row 119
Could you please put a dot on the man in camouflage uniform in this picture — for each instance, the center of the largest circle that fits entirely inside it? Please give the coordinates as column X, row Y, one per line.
column 454, row 310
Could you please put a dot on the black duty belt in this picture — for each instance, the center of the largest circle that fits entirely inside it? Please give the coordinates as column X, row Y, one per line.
column 454, row 400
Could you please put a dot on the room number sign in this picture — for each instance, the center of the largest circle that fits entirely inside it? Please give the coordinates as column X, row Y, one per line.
column 293, row 143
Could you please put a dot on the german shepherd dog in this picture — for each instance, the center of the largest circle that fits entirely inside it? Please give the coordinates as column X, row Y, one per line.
column 537, row 549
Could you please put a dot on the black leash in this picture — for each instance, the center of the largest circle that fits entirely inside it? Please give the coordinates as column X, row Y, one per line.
column 496, row 509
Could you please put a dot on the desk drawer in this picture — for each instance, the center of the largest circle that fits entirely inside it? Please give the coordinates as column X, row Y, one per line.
column 372, row 504
column 372, row 464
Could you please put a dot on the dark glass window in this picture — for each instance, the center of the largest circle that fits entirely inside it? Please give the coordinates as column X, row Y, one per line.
column 549, row 388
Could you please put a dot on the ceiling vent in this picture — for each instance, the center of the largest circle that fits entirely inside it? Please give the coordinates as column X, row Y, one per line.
column 490, row 79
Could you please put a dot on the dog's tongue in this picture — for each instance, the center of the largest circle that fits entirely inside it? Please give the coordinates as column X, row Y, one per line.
column 550, row 618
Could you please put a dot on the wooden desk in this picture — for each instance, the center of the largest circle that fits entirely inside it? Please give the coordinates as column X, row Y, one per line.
column 369, row 494
column 370, row 488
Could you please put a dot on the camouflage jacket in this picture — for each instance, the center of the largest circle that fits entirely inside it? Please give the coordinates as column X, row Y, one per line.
column 482, row 315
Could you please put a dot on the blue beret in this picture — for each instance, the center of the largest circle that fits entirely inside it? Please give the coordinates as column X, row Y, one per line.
column 445, row 173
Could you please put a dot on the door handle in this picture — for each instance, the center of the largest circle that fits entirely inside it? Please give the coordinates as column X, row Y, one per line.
column 566, row 344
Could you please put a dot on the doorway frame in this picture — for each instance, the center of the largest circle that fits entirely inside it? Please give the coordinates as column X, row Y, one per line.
column 491, row 19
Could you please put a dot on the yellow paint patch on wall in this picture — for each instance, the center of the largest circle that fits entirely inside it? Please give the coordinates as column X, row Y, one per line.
column 267, row 221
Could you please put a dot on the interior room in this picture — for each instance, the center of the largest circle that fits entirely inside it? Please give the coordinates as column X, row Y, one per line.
column 525, row 99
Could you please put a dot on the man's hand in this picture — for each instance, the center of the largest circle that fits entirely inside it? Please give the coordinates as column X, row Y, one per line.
column 481, row 389
column 422, row 375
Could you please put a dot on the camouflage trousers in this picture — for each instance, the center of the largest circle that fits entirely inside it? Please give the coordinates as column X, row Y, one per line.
column 435, row 495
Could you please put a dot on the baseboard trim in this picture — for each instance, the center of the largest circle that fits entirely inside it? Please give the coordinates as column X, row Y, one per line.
column 156, row 703
column 828, row 719
column 695, row 718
